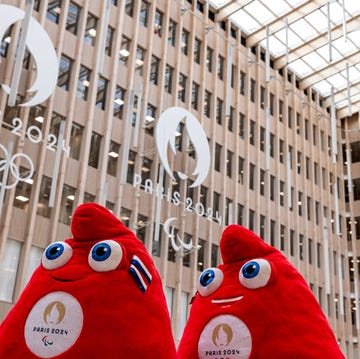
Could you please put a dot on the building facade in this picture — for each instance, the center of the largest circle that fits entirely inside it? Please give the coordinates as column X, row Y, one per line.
column 279, row 164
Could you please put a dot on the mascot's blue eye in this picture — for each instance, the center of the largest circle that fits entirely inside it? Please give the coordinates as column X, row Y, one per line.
column 54, row 251
column 101, row 252
column 250, row 269
column 210, row 280
column 255, row 273
column 56, row 255
column 207, row 277
column 105, row 256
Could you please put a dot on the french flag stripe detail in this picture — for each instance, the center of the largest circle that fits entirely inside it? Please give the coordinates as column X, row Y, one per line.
column 138, row 278
column 138, row 263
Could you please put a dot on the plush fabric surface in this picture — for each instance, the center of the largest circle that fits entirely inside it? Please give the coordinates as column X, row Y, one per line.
column 96, row 295
column 255, row 306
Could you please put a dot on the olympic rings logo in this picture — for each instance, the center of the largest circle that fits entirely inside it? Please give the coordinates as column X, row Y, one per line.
column 9, row 166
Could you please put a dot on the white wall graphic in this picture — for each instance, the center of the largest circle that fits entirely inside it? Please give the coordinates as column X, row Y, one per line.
column 165, row 135
column 40, row 47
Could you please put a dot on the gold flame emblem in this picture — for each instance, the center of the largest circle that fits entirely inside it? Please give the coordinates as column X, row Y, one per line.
column 222, row 335
column 54, row 313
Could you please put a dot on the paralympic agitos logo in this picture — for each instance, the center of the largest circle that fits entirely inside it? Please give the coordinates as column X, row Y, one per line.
column 42, row 50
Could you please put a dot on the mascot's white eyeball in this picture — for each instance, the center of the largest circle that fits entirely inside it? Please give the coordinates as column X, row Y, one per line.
column 255, row 273
column 56, row 255
column 210, row 280
column 105, row 256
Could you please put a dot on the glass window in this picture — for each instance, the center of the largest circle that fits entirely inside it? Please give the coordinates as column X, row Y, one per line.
column 43, row 208
column 169, row 71
column 262, row 97
column 73, row 18
column 5, row 41
column 251, row 220
column 272, row 188
column 83, row 83
column 94, row 150
column 146, row 169
column 218, row 149
column 290, row 117
column 36, row 116
column 272, row 103
column 172, row 32
column 207, row 103
column 55, row 123
column 209, row 59
column 197, row 50
column 262, row 183
column 214, row 255
column 139, row 62
column 109, row 40
column 113, row 157
column 119, row 102
column 154, row 70
column 90, row 30
column 101, row 93
column 141, row 226
column 201, row 255
column 76, row 140
column 241, row 125
column 251, row 176
column 262, row 138
column 220, row 67
column 149, row 119
column 195, row 96
column 23, row 190
column 281, row 110
column 216, row 203
column 129, row 7
column 252, row 90
column 242, row 83
column 124, row 50
column 184, row 42
column 53, row 11
column 158, row 23
column 67, row 204
column 219, row 111
column 64, row 76
column 131, row 167
column 125, row 215
column 252, row 132
column 8, row 269
column 282, row 193
column 241, row 170
column 203, row 197
column 182, row 87
column 230, row 119
column 144, row 13
column 229, row 161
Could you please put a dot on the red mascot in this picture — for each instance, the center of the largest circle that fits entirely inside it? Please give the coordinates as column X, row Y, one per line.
column 255, row 306
column 96, row 295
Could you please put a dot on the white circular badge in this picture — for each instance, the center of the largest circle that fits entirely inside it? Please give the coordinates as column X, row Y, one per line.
column 225, row 336
column 53, row 324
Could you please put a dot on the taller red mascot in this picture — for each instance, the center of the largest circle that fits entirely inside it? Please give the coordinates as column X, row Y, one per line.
column 96, row 295
column 255, row 306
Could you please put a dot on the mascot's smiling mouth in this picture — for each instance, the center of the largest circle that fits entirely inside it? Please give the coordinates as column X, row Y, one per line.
column 226, row 301
column 67, row 279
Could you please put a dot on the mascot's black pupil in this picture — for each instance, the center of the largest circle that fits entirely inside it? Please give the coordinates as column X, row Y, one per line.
column 54, row 250
column 250, row 269
column 101, row 251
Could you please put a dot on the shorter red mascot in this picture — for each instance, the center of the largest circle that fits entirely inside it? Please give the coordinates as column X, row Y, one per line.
column 96, row 295
column 255, row 306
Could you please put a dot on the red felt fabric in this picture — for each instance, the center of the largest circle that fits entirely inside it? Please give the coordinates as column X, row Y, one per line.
column 283, row 317
column 119, row 320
